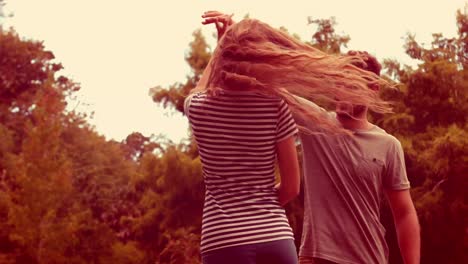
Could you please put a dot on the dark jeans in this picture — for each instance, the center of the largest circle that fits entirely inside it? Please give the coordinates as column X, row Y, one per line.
column 275, row 252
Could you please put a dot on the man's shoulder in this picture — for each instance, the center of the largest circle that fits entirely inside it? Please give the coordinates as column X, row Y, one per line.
column 390, row 140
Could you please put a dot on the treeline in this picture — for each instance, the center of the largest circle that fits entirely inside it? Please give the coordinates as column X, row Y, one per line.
column 68, row 195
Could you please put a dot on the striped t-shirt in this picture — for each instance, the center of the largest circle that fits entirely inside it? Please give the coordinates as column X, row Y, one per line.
column 236, row 133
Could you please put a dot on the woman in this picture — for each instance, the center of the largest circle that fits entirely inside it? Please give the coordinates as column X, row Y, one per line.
column 241, row 122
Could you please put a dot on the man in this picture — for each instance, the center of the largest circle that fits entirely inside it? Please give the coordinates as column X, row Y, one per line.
column 345, row 177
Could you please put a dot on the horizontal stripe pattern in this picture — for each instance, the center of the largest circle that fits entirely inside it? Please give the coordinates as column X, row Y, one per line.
column 236, row 133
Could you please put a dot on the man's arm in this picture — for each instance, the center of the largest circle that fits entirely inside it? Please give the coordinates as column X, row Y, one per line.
column 406, row 223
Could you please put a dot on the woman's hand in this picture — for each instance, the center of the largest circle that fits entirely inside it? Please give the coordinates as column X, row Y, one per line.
column 221, row 20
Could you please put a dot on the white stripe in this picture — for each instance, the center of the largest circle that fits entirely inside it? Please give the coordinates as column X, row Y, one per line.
column 240, row 178
column 227, row 153
column 228, row 119
column 258, row 98
column 216, row 207
column 246, row 195
column 270, row 147
column 236, row 186
column 207, row 230
column 289, row 125
column 239, row 167
column 242, row 194
column 233, row 215
column 259, row 181
column 219, row 222
column 238, row 131
column 234, row 180
column 236, row 137
column 208, row 111
column 237, row 103
column 227, row 201
column 264, row 227
column 238, row 164
column 230, row 173
column 230, row 141
column 258, row 108
column 259, row 208
column 217, row 123
column 235, row 190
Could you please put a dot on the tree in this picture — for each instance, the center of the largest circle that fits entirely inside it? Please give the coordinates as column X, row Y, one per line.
column 431, row 122
column 53, row 202
column 325, row 38
column 35, row 170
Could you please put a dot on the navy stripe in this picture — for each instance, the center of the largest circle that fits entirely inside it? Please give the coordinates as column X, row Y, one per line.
column 257, row 233
column 215, row 140
column 222, row 220
column 215, row 131
column 264, row 118
column 259, row 230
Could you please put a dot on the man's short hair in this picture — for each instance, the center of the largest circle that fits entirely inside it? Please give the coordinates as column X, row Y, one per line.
column 371, row 63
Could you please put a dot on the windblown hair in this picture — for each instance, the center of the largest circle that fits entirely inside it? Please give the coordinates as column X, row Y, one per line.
column 254, row 56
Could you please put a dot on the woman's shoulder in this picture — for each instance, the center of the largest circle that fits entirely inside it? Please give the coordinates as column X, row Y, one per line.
column 188, row 100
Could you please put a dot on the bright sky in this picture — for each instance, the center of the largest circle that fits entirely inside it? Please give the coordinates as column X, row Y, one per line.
column 118, row 50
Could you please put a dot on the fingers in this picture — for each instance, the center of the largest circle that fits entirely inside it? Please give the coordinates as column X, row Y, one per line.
column 210, row 20
column 219, row 28
column 224, row 18
column 221, row 21
column 218, row 17
column 230, row 20
column 212, row 13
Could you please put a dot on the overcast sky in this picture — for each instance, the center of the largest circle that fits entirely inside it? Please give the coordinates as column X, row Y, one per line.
column 117, row 49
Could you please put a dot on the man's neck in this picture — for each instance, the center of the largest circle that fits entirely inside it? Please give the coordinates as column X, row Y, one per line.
column 355, row 123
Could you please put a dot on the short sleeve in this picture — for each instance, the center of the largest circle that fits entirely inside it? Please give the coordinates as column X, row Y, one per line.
column 187, row 102
column 286, row 127
column 395, row 177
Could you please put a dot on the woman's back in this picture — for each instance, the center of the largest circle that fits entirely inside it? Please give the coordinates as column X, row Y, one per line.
column 236, row 133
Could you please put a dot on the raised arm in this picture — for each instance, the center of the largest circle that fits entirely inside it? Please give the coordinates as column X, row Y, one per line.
column 406, row 223
column 201, row 85
column 222, row 22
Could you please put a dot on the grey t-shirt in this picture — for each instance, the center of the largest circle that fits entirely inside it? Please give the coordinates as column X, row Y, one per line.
column 344, row 181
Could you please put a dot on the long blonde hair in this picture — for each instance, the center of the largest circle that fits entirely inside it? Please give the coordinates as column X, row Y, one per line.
column 254, row 56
